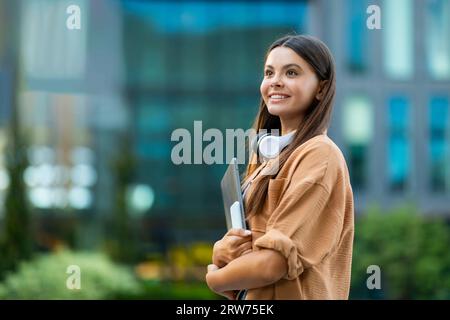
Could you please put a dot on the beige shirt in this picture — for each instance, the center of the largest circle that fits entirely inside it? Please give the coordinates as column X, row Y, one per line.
column 307, row 217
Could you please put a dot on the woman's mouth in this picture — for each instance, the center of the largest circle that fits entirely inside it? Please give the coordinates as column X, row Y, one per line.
column 275, row 98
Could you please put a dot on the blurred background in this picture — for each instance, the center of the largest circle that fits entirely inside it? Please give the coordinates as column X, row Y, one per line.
column 86, row 117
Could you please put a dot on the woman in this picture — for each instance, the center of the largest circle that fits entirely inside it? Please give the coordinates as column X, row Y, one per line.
column 301, row 216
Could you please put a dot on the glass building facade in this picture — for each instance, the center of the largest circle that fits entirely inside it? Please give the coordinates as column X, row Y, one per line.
column 98, row 105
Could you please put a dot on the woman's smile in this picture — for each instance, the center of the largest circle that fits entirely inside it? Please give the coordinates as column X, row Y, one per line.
column 278, row 98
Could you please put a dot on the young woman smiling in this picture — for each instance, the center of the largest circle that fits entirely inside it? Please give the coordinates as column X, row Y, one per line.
column 300, row 217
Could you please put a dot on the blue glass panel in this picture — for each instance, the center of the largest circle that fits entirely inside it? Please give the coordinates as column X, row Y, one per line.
column 438, row 111
column 398, row 145
column 356, row 35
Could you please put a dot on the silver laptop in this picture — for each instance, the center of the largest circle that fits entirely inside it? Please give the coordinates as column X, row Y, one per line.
column 233, row 204
column 232, row 197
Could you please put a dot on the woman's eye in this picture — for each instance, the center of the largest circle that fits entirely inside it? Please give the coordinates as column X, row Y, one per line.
column 267, row 73
column 292, row 73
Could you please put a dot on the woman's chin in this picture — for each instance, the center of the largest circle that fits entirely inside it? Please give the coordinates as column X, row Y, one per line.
column 275, row 110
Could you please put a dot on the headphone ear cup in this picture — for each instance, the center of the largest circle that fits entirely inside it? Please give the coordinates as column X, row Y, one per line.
column 269, row 146
column 256, row 140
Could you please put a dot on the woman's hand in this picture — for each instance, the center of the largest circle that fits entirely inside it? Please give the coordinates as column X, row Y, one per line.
column 230, row 295
column 235, row 243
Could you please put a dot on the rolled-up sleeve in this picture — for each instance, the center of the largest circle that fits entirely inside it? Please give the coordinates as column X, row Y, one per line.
column 278, row 241
column 304, row 227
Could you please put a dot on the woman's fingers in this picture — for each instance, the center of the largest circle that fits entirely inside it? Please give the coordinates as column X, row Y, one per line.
column 235, row 237
column 245, row 248
column 212, row 267
column 238, row 241
column 231, row 246
column 238, row 232
column 230, row 295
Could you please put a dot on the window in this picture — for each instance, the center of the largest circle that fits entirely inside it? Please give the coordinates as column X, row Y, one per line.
column 439, row 154
column 358, row 131
column 398, row 145
column 356, row 36
column 438, row 38
column 50, row 50
column 398, row 34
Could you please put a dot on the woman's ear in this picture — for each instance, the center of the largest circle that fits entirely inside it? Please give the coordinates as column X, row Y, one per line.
column 320, row 90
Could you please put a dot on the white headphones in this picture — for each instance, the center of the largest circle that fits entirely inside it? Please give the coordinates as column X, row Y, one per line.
column 270, row 146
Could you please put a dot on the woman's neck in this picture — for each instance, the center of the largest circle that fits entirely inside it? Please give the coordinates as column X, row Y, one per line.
column 289, row 125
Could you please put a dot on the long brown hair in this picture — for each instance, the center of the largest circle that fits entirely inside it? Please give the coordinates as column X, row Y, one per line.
column 316, row 118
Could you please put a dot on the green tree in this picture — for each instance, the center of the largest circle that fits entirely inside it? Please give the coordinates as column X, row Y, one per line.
column 17, row 233
column 122, row 237
column 16, row 240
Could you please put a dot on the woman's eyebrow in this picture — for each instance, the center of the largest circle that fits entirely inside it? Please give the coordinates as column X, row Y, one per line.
column 285, row 66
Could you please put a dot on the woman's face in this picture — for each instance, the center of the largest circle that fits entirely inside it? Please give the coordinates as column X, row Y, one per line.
column 289, row 85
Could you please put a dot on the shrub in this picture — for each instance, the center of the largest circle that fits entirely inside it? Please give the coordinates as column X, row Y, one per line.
column 411, row 251
column 45, row 277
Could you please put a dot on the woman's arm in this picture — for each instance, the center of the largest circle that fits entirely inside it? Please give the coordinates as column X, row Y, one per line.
column 253, row 270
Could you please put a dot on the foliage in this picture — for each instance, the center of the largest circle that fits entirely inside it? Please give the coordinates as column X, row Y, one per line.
column 411, row 251
column 16, row 238
column 121, row 242
column 45, row 278
column 177, row 290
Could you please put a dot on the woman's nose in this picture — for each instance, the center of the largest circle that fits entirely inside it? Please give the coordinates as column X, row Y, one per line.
column 276, row 82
